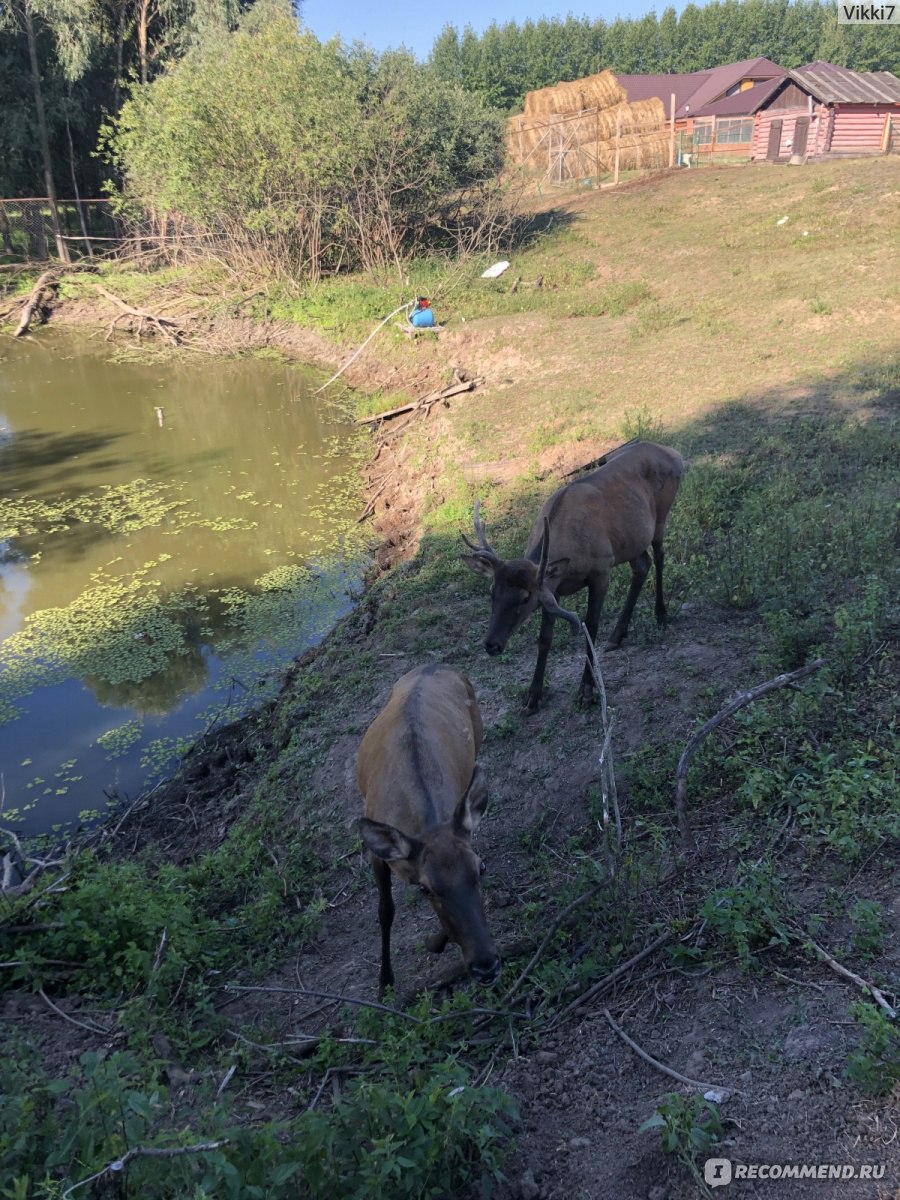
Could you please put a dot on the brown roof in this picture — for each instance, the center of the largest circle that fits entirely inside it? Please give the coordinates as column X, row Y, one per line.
column 648, row 87
column 697, row 90
column 839, row 85
column 741, row 104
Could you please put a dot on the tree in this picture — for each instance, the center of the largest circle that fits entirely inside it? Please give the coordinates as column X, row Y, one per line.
column 71, row 23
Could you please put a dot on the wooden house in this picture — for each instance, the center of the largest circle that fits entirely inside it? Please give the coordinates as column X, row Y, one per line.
column 826, row 111
column 713, row 109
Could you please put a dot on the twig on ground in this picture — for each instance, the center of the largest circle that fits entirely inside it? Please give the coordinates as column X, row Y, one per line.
column 118, row 1165
column 430, row 398
column 72, row 1021
column 610, row 979
column 608, row 786
column 654, row 1062
column 863, row 984
column 740, row 701
column 538, row 954
column 169, row 328
column 314, row 995
column 598, row 462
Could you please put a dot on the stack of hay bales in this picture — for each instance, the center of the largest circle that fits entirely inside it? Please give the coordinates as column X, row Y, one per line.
column 569, row 131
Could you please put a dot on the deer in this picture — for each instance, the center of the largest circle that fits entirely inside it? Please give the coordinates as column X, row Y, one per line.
column 424, row 795
column 583, row 530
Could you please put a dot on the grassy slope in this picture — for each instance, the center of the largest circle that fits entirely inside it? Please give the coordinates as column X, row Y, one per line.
column 768, row 354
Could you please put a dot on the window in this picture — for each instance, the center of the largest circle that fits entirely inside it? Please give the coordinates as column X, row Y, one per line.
column 703, row 131
column 734, row 129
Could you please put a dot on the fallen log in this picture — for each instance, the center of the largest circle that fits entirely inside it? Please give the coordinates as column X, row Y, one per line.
column 454, row 389
column 33, row 301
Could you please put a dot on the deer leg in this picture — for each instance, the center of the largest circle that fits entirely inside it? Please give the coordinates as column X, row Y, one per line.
column 382, row 874
column 545, row 641
column 639, row 569
column 658, row 559
column 596, row 596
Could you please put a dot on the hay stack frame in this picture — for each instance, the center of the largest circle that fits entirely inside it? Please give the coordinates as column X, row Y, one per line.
column 588, row 129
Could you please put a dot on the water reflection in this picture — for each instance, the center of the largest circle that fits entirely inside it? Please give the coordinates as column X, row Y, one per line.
column 142, row 506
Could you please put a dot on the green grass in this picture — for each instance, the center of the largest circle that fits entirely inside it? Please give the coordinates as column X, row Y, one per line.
column 700, row 331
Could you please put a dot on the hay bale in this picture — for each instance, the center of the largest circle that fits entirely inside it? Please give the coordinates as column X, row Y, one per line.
column 595, row 91
column 569, row 130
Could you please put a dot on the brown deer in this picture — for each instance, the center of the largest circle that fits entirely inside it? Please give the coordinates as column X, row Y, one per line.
column 424, row 797
column 584, row 530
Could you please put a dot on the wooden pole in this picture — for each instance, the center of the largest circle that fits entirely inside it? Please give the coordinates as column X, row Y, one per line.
column 597, row 150
column 618, row 132
column 672, row 132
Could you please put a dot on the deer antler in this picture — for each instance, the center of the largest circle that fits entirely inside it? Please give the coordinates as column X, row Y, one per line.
column 483, row 546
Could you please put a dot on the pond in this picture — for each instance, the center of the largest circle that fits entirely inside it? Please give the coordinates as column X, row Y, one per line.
column 171, row 533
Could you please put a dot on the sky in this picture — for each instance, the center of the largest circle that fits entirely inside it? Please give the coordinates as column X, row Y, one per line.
column 416, row 26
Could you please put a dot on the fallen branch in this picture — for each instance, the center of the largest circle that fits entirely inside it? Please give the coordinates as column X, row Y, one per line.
column 608, row 787
column 72, row 1021
column 538, row 954
column 370, row 507
column 654, row 1062
column 338, row 999
column 863, row 984
column 164, row 325
column 31, row 304
column 118, row 1165
column 454, row 389
column 610, row 979
column 690, row 749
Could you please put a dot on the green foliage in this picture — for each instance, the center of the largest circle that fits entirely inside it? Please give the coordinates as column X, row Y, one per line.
column 304, row 154
column 869, row 932
column 749, row 914
column 119, row 929
column 844, row 794
column 506, row 61
column 689, row 1127
column 402, row 1142
column 875, row 1063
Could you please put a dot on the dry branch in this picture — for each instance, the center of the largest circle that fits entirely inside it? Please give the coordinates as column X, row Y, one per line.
column 610, row 979
column 426, row 401
column 166, row 326
column 704, row 1087
column 740, row 701
column 863, row 984
column 47, row 279
column 599, row 462
column 119, row 1164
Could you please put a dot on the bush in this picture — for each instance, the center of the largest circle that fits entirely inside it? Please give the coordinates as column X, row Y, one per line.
column 442, row 1138
column 304, row 156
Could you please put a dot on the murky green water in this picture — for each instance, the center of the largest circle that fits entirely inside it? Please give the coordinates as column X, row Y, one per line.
column 169, row 534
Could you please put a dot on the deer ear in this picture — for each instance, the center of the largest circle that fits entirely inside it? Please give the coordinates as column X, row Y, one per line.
column 385, row 841
column 555, row 568
column 471, row 808
column 481, row 564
